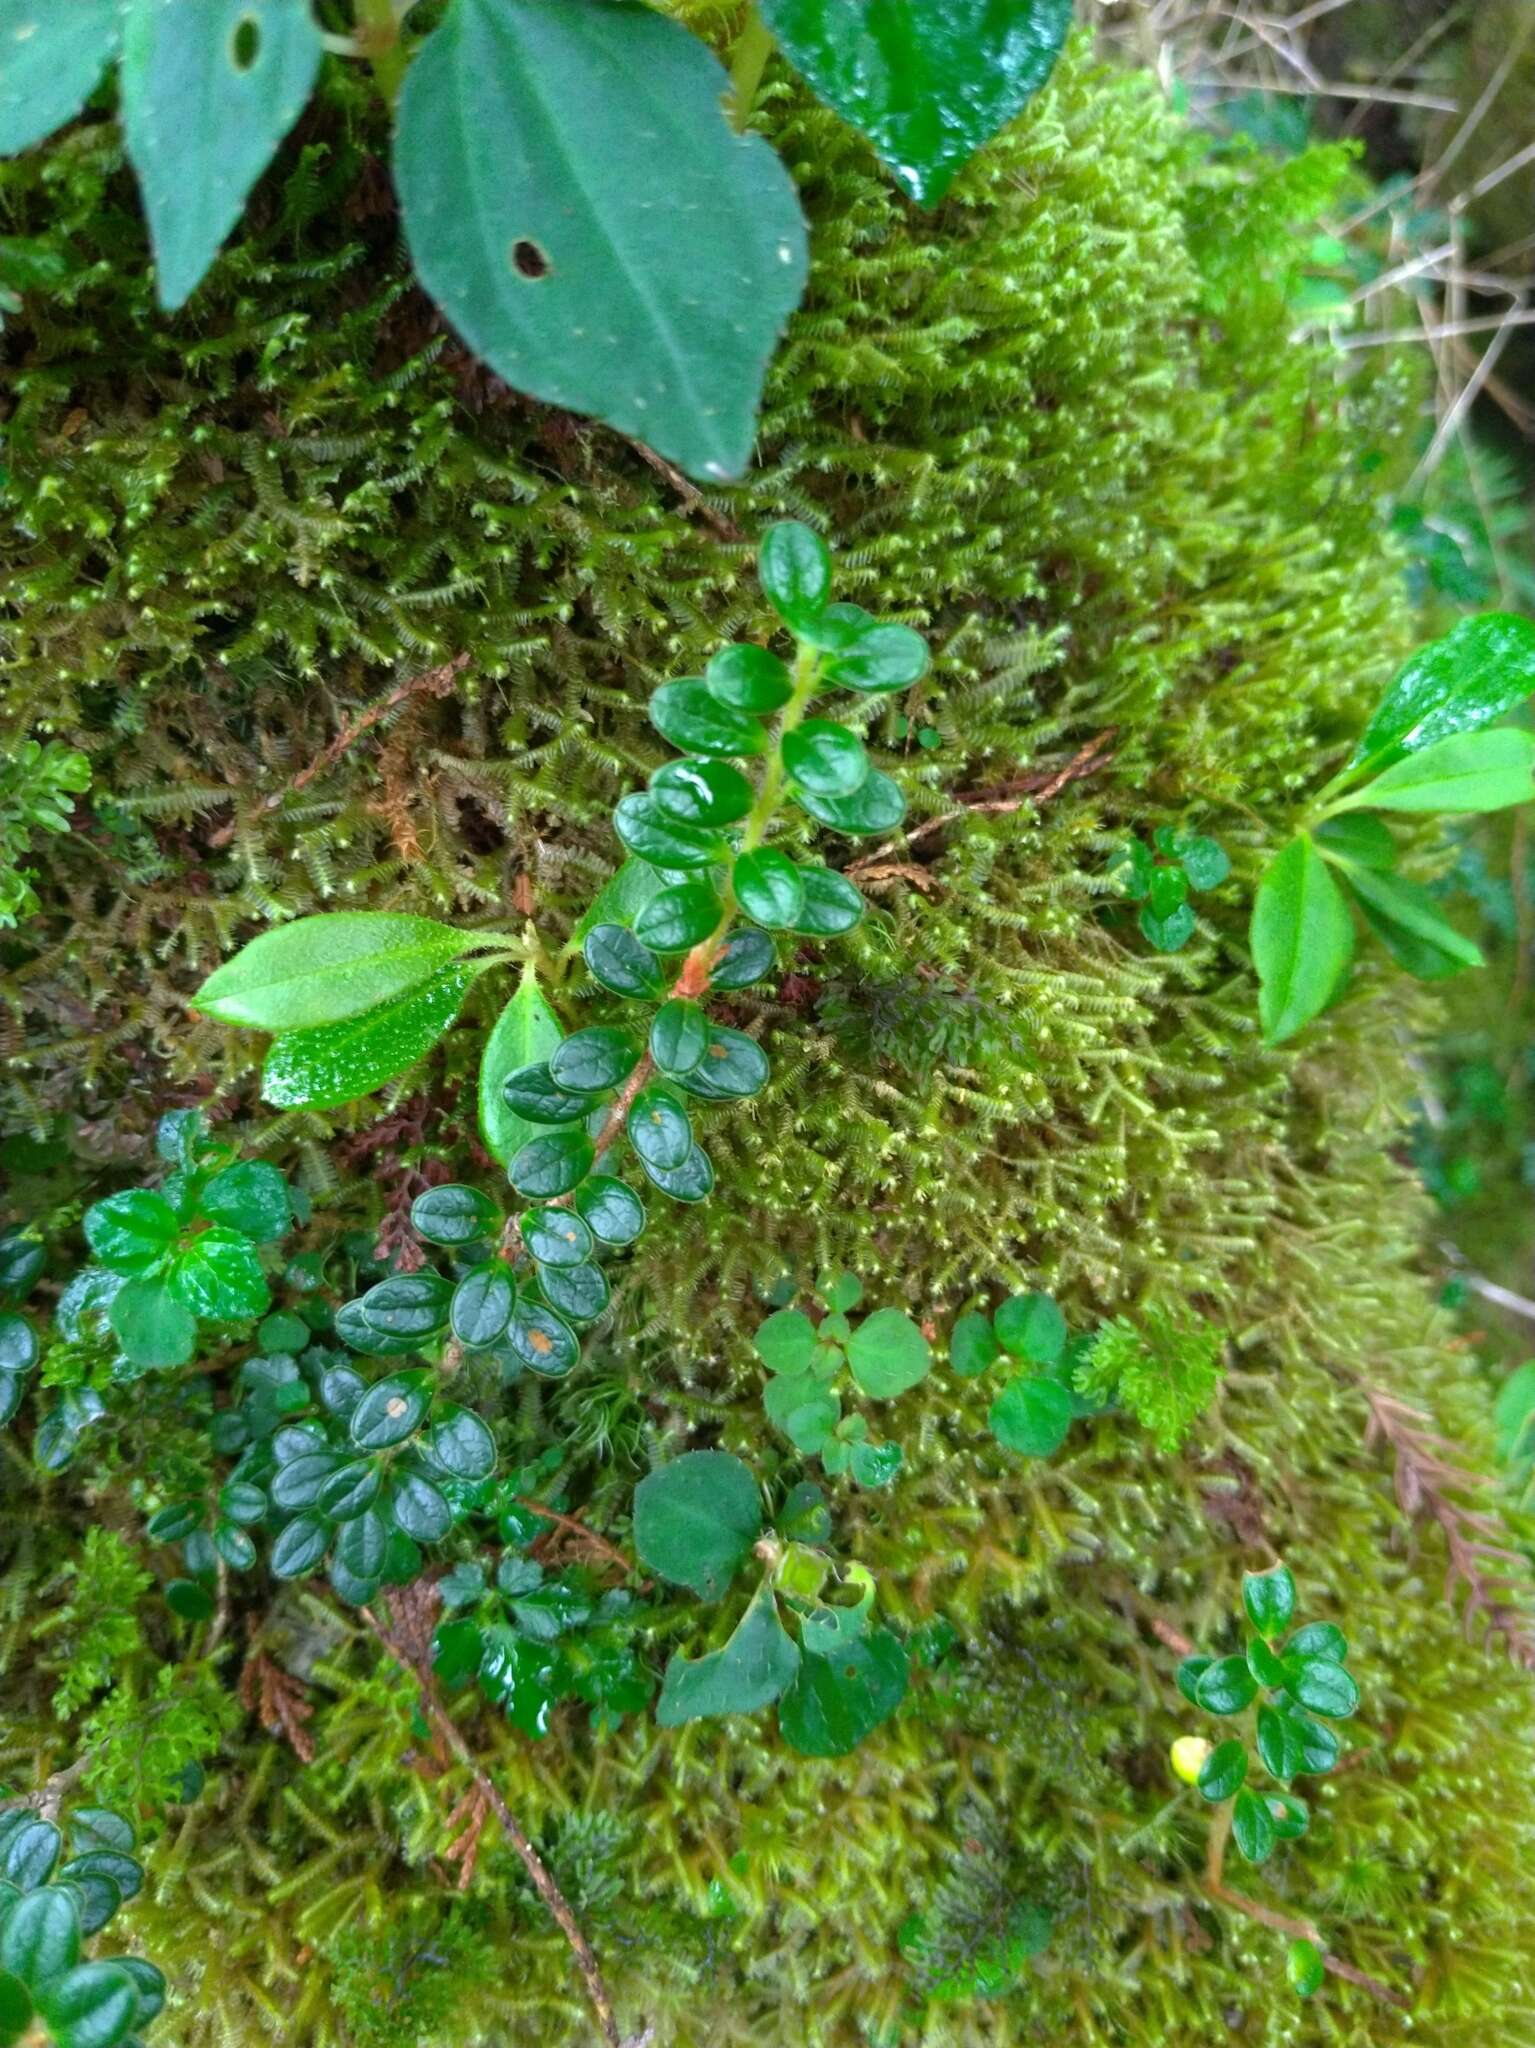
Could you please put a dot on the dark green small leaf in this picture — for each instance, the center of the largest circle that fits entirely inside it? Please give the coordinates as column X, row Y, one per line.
column 1226, row 1686
column 32, row 1848
column 680, row 917
column 18, row 1344
column 1190, row 1671
column 556, row 1237
column 390, row 1410
column 92, row 2006
column 1205, row 862
column 15, row 2009
column 22, row 1259
column 482, row 1305
column 551, row 1165
column 544, row 1341
column 692, row 1181
column 656, row 834
column 591, row 1061
column 1269, row 1598
column 876, row 1465
column 407, row 1306
column 1281, row 1743
column 832, row 904
column 132, row 1231
column 835, row 1702
column 1404, row 918
column 679, row 1036
column 418, row 1508
column 794, row 569
column 352, row 1487
column 883, row 657
column 360, row 1545
column 1031, row 1327
column 748, row 678
column 877, row 805
column 462, row 1445
column 1252, row 1827
column 40, row 1937
column 1224, row 1772
column 533, row 1097
column 234, row 1546
column 746, row 956
column 618, row 960
column 240, row 1501
column 696, row 1519
column 658, row 1129
column 733, row 1067
column 613, row 1212
column 283, row 1333
column 888, row 1354
column 300, row 1548
column 1321, row 1686
column 300, row 1482
column 1031, row 1417
column 1264, row 1663
column 972, row 1346
column 1318, row 1639
column 579, row 1293
column 825, row 757
column 189, row 1600
column 709, row 793
column 689, row 715
column 768, row 889
column 454, row 1215
column 250, row 1197
column 1169, row 934
column 337, row 1063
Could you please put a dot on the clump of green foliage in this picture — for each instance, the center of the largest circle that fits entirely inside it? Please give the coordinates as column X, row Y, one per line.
column 37, row 785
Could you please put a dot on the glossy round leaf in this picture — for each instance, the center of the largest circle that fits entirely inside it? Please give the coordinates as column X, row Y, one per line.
column 972, row 1346
column 462, row 1445
column 579, row 1293
column 1252, row 1827
column 1269, row 1598
column 658, row 1128
column 692, row 1181
column 390, row 1410
column 353, row 1486
column 219, row 1277
column 885, row 657
column 733, row 1067
column 696, row 1519
column 1322, row 1687
column 748, row 678
column 832, row 904
column 532, row 1095
column 1224, row 1771
column 298, row 1484
column 689, row 715
column 648, row 829
column 1304, row 1967
column 544, row 1341
column 551, row 1165
column 1030, row 1327
column 31, row 1850
column 93, row 2006
column 556, row 1237
column 876, row 1465
column 747, row 955
column 482, row 1305
column 612, row 1210
column 702, row 792
column 40, row 1937
column 679, row 1036
column 682, row 916
column 794, row 569
column 618, row 960
column 407, row 1306
column 18, row 1343
column 1226, row 1686
column 768, row 889
column 825, row 757
column 591, row 1061
column 360, row 1545
column 300, row 1548
column 877, row 805
column 454, row 1215
column 1318, row 1639
column 132, row 1231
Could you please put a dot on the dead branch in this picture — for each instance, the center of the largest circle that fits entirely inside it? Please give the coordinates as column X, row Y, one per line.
column 432, row 682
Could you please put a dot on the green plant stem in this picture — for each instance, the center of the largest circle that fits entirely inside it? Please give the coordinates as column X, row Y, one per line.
column 748, row 60
column 378, row 39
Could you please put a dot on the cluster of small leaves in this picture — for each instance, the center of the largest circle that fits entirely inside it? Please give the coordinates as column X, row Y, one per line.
column 38, row 783
column 1160, row 880
column 1298, row 1683
column 49, row 1904
column 532, row 1637
column 696, row 1522
column 1163, row 1370
column 546, row 259
column 884, row 1353
column 1036, row 1408
column 1433, row 746
column 22, row 1258
column 185, row 1254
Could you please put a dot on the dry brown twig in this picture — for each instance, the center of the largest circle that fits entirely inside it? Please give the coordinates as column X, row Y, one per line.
column 408, row 1639
column 1430, row 1481
column 279, row 1702
column 432, row 682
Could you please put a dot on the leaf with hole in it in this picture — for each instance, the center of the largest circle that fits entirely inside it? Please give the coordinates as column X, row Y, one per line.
column 755, row 1667
column 927, row 81
column 836, row 1701
column 51, row 60
column 1302, row 940
column 577, row 204
column 525, row 1033
column 207, row 95
column 338, row 1063
column 1477, row 673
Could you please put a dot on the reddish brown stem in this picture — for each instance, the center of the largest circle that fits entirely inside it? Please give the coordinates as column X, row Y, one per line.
column 432, row 682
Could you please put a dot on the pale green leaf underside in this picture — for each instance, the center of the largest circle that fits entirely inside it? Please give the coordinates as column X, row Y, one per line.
column 1302, row 940
column 324, row 969
column 52, row 55
column 1473, row 771
column 525, row 1033
column 209, row 91
column 578, row 206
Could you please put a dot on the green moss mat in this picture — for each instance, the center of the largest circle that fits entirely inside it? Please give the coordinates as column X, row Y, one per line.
column 1061, row 426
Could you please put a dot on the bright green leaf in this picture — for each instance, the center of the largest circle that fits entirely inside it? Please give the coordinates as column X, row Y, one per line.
column 337, row 1063
column 1475, row 675
column 888, row 1354
column 323, row 970
column 1302, row 940
column 1477, row 771
column 153, row 1327
column 1032, row 1328
column 1031, row 1417
column 1269, row 1598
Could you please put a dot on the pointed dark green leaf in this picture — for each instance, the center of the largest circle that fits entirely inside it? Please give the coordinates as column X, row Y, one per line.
column 1403, row 916
column 755, row 1667
column 834, row 1702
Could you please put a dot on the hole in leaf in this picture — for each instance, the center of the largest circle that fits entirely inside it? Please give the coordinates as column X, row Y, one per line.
column 528, row 260
column 245, row 43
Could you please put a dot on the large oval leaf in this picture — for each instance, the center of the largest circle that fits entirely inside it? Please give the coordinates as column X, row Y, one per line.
column 928, row 81
column 1302, row 940
column 836, row 1701
column 208, row 93
column 322, row 970
column 696, row 1519
column 51, row 58
column 339, row 1062
column 577, row 204
column 1474, row 675
column 757, row 1664
column 525, row 1033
